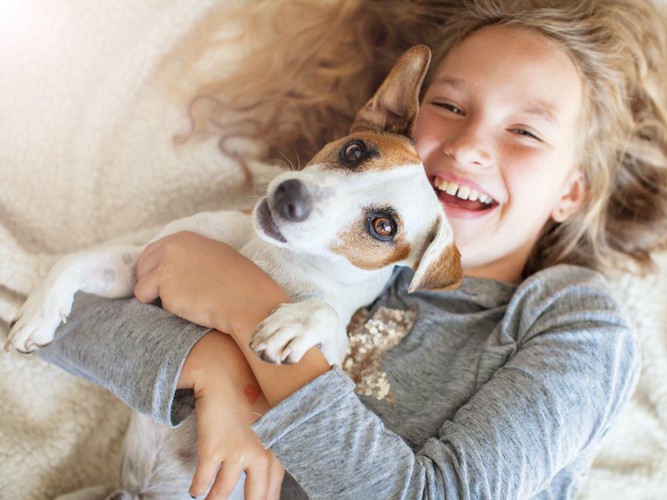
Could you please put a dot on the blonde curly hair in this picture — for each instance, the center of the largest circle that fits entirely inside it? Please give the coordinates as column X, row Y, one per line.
column 314, row 64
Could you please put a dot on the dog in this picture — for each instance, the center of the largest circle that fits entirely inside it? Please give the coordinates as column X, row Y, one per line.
column 330, row 234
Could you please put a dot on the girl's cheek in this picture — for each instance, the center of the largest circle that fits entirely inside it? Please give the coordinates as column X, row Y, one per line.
column 425, row 148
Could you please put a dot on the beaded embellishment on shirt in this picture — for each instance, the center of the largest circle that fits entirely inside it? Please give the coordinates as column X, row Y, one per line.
column 370, row 338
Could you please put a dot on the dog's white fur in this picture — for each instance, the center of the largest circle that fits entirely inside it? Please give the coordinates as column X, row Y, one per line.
column 313, row 232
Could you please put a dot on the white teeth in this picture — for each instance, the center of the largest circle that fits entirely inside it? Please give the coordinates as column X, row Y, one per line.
column 463, row 192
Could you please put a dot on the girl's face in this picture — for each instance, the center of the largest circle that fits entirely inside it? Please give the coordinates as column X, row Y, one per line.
column 497, row 132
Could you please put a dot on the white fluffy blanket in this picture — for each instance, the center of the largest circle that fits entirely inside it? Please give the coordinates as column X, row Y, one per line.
column 87, row 117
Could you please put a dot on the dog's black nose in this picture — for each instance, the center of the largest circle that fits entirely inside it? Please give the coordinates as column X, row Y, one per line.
column 292, row 201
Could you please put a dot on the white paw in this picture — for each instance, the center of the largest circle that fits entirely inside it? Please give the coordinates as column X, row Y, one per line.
column 38, row 320
column 292, row 329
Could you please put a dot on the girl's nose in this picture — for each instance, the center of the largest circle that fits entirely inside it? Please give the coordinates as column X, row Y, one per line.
column 470, row 146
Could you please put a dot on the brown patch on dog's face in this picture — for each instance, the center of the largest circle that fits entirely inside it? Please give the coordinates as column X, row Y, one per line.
column 359, row 245
column 365, row 151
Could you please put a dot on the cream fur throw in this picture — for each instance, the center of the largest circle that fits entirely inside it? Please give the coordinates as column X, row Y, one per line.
column 86, row 155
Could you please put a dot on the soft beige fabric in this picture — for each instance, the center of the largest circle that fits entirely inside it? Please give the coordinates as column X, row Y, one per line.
column 87, row 118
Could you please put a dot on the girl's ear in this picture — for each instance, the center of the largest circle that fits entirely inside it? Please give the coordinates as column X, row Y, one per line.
column 574, row 194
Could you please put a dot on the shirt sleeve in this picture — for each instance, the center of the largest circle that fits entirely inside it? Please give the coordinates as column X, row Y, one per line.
column 572, row 368
column 134, row 350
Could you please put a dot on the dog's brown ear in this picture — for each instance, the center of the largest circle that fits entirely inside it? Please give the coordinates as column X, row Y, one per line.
column 394, row 106
column 440, row 265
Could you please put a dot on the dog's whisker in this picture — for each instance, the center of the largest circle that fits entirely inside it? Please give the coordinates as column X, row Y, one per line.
column 288, row 163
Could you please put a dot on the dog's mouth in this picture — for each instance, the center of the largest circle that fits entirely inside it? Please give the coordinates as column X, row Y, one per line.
column 266, row 223
column 460, row 196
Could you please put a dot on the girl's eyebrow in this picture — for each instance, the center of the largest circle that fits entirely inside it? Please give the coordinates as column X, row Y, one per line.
column 543, row 111
column 451, row 82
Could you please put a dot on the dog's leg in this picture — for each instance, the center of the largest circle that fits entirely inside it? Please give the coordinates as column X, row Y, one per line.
column 294, row 328
column 108, row 273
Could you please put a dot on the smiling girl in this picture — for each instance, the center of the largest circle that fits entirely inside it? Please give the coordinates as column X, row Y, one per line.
column 497, row 132
column 543, row 131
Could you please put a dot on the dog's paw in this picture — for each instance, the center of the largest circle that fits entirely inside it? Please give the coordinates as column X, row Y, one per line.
column 292, row 329
column 38, row 320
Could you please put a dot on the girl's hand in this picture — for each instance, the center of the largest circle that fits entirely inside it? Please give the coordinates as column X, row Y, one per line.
column 227, row 401
column 205, row 281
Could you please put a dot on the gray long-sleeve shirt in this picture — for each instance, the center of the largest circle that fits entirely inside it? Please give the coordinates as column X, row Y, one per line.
column 501, row 391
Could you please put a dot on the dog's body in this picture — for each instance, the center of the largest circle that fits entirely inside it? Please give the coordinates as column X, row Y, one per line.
column 330, row 234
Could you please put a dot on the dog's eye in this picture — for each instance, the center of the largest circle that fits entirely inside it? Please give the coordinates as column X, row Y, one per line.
column 353, row 151
column 382, row 227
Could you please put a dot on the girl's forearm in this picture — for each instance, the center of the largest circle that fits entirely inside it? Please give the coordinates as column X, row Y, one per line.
column 276, row 381
column 220, row 359
column 279, row 381
column 213, row 353
column 216, row 361
column 209, row 283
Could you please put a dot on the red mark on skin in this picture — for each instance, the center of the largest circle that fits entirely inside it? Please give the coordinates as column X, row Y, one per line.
column 252, row 393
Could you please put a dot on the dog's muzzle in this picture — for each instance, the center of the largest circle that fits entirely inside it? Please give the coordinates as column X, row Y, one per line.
column 265, row 222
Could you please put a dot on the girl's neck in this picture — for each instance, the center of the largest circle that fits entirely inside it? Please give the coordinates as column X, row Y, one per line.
column 502, row 270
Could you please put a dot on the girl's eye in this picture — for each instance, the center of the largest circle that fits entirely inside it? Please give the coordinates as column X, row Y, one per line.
column 382, row 227
column 450, row 107
column 526, row 133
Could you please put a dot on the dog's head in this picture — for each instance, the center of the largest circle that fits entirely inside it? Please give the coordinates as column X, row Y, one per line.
column 365, row 197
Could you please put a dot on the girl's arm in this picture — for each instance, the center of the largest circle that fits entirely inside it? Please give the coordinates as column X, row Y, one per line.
column 227, row 400
column 164, row 366
column 134, row 350
column 233, row 298
column 573, row 365
column 567, row 363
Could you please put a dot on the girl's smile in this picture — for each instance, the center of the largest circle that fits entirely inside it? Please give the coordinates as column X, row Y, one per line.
column 498, row 134
column 462, row 198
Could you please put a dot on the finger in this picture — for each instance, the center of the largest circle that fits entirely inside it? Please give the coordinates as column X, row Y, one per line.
column 225, row 480
column 152, row 253
column 150, row 257
column 205, row 472
column 146, row 264
column 257, row 481
column 276, row 475
column 147, row 288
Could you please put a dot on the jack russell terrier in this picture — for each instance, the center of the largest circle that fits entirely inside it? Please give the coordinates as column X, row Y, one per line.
column 330, row 234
